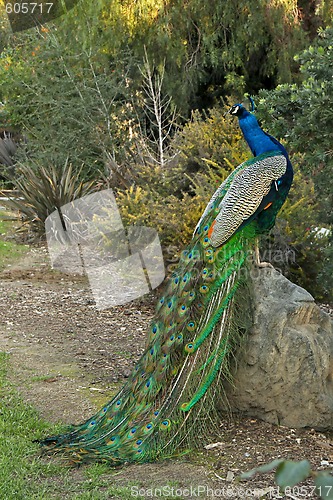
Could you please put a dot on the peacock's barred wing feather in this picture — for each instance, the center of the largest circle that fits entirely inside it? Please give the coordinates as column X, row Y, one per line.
column 249, row 188
column 241, row 194
column 169, row 399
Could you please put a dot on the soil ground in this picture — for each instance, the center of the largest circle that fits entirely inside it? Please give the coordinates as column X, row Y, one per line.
column 67, row 359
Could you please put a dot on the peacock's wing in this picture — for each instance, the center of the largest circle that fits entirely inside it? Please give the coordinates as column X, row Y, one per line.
column 219, row 193
column 247, row 189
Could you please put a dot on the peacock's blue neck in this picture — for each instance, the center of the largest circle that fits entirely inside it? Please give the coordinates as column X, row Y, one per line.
column 258, row 141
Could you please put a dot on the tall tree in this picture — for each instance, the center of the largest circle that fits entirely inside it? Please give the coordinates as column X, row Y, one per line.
column 209, row 48
column 303, row 115
column 69, row 101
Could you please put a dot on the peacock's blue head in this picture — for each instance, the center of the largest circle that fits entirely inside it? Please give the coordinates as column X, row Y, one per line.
column 238, row 110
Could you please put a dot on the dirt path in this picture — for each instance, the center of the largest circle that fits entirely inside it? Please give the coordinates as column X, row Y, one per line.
column 61, row 345
column 68, row 358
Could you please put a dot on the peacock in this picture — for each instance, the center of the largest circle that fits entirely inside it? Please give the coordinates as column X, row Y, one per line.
column 169, row 402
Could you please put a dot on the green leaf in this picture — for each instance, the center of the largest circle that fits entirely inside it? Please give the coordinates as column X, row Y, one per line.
column 290, row 473
column 324, row 485
column 263, row 468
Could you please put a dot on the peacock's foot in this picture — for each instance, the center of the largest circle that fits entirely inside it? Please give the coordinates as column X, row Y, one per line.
column 264, row 264
column 257, row 260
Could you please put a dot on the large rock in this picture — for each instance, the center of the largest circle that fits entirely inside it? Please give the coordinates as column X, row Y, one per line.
column 285, row 366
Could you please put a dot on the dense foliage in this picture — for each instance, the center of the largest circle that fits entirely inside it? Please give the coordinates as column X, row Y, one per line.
column 132, row 96
column 302, row 115
column 74, row 109
column 209, row 147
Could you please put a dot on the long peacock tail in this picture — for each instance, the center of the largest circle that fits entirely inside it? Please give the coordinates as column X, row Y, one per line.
column 170, row 398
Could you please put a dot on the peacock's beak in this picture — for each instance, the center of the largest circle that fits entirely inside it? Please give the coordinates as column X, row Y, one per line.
column 227, row 112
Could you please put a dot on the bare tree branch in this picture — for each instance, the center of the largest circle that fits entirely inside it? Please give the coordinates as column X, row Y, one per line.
column 158, row 110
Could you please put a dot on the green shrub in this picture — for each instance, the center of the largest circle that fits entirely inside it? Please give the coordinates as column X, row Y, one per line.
column 172, row 199
column 42, row 190
column 288, row 474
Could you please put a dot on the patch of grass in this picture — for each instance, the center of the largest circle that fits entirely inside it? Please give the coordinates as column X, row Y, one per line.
column 9, row 250
column 21, row 465
column 5, row 224
column 25, row 474
column 117, row 492
column 43, row 378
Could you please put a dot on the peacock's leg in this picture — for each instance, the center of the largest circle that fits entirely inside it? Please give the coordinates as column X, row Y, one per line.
column 257, row 256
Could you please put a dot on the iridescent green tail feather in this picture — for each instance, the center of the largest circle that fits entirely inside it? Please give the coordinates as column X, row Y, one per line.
column 170, row 397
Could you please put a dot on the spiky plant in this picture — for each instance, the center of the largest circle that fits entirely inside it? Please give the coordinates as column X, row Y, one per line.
column 41, row 190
